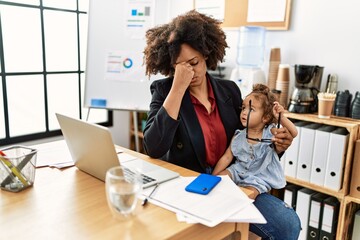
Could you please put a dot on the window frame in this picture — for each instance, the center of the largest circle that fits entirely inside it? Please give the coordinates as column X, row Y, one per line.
column 80, row 72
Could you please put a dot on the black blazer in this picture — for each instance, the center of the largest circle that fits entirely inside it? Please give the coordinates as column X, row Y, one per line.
column 181, row 141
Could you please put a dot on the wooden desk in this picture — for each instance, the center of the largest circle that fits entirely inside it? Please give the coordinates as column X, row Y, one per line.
column 70, row 204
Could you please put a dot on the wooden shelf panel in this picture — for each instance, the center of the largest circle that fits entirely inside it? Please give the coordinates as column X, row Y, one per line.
column 349, row 207
column 352, row 199
column 348, row 123
column 139, row 134
column 338, row 194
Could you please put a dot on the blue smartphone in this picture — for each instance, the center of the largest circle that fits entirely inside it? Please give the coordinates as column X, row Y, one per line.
column 203, row 184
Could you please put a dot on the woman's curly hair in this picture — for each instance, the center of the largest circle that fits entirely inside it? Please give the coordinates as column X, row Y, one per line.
column 201, row 32
column 267, row 98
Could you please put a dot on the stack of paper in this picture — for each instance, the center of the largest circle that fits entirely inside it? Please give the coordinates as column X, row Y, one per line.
column 53, row 154
column 226, row 202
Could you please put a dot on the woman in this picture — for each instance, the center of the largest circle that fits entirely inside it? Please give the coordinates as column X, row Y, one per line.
column 193, row 116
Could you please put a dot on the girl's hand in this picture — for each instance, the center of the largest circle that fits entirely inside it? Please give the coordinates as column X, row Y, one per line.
column 277, row 109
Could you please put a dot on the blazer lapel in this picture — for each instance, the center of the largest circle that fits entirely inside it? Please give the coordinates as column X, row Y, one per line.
column 191, row 123
column 225, row 106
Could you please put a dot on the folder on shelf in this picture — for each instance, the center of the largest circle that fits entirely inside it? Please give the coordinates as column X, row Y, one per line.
column 338, row 142
column 319, row 158
column 355, row 176
column 291, row 157
column 306, row 149
column 290, row 194
column 315, row 215
column 356, row 227
column 302, row 209
column 329, row 218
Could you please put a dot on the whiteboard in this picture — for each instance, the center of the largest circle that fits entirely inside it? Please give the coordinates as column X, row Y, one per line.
column 115, row 75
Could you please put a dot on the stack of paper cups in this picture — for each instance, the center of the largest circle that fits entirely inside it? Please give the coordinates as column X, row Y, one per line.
column 282, row 83
column 275, row 59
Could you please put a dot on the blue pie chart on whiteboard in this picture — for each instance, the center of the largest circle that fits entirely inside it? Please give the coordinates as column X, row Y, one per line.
column 127, row 63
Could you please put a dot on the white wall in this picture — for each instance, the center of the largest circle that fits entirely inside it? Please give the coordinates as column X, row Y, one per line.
column 322, row 32
column 121, row 128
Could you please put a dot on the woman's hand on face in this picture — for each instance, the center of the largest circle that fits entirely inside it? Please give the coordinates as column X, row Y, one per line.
column 282, row 139
column 184, row 73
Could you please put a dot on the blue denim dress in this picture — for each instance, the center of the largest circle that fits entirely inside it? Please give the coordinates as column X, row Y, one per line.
column 257, row 165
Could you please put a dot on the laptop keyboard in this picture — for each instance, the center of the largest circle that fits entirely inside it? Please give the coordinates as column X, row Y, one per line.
column 145, row 178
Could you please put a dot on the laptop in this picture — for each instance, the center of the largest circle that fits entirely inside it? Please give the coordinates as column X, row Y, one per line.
column 93, row 152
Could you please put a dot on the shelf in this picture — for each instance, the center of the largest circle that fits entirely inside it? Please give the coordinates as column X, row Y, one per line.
column 352, row 199
column 348, row 123
column 352, row 126
column 139, row 134
column 338, row 194
column 348, row 204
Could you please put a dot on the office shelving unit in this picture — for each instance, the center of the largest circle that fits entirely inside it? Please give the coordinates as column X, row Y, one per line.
column 348, row 205
column 137, row 132
column 351, row 206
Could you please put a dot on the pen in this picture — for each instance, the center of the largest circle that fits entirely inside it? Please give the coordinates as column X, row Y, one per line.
column 20, row 166
column 146, row 199
column 13, row 169
column 278, row 126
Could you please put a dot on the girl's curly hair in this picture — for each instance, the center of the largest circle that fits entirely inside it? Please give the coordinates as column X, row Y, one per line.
column 267, row 98
column 201, row 32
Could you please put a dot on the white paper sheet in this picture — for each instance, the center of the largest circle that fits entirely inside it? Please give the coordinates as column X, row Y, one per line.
column 249, row 214
column 124, row 157
column 53, row 154
column 266, row 10
column 214, row 8
column 225, row 200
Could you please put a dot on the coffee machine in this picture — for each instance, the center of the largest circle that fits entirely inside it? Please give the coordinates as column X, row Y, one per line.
column 307, row 86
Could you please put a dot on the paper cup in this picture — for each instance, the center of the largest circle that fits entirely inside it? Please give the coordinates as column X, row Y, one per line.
column 275, row 59
column 283, row 73
column 325, row 107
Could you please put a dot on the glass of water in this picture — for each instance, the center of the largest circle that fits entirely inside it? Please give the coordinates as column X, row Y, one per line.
column 122, row 190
